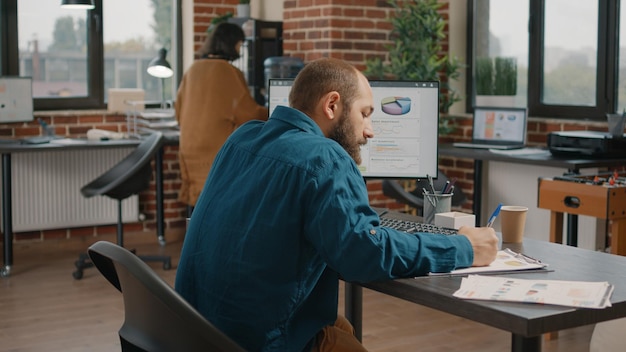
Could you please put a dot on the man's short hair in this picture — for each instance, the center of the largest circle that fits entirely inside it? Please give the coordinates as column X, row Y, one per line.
column 320, row 77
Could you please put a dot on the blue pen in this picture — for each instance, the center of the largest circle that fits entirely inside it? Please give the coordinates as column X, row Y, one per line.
column 493, row 216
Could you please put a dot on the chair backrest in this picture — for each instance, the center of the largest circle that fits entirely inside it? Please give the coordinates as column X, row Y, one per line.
column 393, row 189
column 415, row 198
column 128, row 176
column 156, row 318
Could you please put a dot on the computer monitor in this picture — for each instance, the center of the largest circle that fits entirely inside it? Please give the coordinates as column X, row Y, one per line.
column 405, row 123
column 16, row 99
column 278, row 92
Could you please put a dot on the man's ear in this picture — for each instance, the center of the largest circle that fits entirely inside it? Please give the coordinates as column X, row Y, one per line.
column 331, row 104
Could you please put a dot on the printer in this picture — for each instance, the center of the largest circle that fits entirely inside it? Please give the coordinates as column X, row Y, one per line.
column 591, row 144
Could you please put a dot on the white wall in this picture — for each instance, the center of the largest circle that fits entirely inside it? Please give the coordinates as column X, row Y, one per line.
column 187, row 16
column 267, row 10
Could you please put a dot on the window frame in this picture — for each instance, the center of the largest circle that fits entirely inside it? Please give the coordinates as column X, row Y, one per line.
column 606, row 70
column 9, row 55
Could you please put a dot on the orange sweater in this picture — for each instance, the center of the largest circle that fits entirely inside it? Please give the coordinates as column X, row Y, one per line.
column 213, row 99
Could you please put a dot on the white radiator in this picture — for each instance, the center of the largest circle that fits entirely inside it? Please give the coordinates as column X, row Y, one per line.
column 46, row 189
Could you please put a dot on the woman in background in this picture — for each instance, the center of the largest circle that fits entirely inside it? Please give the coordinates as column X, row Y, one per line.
column 213, row 99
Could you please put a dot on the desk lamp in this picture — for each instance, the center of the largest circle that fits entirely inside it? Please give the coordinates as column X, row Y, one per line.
column 78, row 4
column 160, row 68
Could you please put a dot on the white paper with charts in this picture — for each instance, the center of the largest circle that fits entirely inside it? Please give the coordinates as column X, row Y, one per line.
column 563, row 293
column 506, row 261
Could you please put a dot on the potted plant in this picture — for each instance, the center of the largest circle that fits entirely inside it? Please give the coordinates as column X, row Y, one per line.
column 496, row 81
column 416, row 52
column 243, row 9
column 484, row 76
column 505, row 80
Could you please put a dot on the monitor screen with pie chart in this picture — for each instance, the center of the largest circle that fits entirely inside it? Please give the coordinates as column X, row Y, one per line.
column 406, row 130
column 406, row 127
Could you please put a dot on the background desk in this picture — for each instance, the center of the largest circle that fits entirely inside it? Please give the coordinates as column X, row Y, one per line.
column 7, row 150
column 526, row 322
column 523, row 172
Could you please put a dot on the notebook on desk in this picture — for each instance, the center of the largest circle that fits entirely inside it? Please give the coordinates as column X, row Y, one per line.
column 497, row 128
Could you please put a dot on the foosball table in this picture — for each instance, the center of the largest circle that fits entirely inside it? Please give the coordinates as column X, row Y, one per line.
column 602, row 196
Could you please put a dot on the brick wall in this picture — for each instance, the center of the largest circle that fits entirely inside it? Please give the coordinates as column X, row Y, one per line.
column 345, row 29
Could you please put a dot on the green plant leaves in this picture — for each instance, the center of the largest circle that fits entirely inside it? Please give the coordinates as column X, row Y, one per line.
column 416, row 51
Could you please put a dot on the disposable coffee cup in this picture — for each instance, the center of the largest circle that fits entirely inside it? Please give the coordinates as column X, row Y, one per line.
column 435, row 203
column 512, row 223
column 616, row 124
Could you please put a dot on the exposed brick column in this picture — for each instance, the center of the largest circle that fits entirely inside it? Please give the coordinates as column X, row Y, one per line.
column 352, row 30
column 206, row 10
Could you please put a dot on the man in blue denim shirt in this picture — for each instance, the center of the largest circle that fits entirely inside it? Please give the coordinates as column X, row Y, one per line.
column 285, row 213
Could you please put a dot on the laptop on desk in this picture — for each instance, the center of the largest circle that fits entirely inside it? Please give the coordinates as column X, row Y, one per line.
column 497, row 128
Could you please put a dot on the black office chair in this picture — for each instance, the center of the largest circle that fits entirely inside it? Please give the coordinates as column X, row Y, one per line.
column 415, row 197
column 156, row 318
column 128, row 177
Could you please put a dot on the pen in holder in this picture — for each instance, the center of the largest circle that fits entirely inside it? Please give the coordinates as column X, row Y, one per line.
column 435, row 203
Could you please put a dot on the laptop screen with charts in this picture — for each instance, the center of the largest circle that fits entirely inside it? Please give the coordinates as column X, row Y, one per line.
column 498, row 128
column 405, row 123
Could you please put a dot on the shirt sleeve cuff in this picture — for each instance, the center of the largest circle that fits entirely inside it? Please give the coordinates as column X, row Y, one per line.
column 464, row 253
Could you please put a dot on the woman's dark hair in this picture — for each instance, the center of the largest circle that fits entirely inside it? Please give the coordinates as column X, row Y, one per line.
column 222, row 41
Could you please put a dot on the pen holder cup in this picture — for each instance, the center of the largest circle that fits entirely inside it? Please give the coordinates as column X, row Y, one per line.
column 435, row 203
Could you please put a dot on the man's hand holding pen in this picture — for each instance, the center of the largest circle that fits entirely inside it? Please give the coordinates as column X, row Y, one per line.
column 484, row 243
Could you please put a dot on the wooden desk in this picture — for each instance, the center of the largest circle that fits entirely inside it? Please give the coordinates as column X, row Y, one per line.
column 7, row 150
column 526, row 322
column 570, row 165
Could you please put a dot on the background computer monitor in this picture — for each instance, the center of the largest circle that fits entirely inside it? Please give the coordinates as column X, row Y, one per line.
column 278, row 92
column 405, row 123
column 16, row 99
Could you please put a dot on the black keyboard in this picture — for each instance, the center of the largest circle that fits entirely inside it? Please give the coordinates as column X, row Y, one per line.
column 413, row 227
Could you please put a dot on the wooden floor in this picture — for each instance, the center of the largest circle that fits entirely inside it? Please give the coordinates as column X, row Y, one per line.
column 42, row 308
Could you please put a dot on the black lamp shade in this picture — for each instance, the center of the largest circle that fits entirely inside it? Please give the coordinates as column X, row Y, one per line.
column 159, row 67
column 78, row 4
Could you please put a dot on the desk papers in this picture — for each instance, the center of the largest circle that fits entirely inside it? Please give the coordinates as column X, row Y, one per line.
column 563, row 293
column 507, row 261
column 521, row 151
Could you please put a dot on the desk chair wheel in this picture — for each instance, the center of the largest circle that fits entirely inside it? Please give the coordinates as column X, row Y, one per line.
column 5, row 271
column 81, row 264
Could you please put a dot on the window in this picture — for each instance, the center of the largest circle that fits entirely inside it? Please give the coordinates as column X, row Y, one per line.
column 76, row 56
column 565, row 53
column 500, row 41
